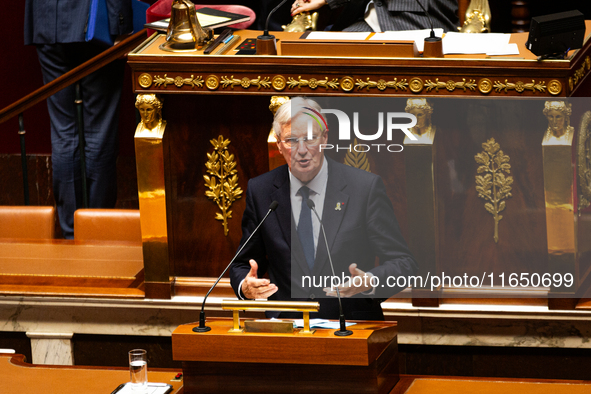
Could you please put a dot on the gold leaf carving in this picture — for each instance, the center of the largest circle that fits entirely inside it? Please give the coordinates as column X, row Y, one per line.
column 178, row 81
column 450, row 85
column 382, row 84
column 246, row 82
column 222, row 185
column 495, row 185
column 520, row 86
column 357, row 159
column 313, row 83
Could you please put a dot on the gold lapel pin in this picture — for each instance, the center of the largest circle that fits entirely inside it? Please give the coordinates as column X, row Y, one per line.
column 338, row 207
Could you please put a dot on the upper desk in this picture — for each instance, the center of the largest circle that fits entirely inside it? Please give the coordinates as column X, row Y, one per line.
column 157, row 71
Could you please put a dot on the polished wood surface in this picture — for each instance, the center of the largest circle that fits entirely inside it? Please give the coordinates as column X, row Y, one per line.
column 18, row 377
column 458, row 385
column 368, row 341
column 219, row 361
column 66, row 267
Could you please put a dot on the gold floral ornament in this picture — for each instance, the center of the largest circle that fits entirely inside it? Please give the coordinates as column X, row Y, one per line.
column 494, row 186
column 223, row 183
column 357, row 159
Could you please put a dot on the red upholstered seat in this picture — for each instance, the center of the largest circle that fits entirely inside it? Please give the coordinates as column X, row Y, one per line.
column 161, row 10
column 27, row 222
column 107, row 225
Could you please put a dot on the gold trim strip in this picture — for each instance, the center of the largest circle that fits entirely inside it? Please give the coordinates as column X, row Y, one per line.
column 520, row 86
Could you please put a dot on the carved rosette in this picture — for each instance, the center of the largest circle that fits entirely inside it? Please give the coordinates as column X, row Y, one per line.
column 347, row 84
column 212, row 82
column 584, row 161
column 485, row 86
column 520, row 86
column 279, row 82
column 416, row 85
column 495, row 186
column 222, row 181
column 554, row 87
column 145, row 80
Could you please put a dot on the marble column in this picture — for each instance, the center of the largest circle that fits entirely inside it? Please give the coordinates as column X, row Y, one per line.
column 52, row 348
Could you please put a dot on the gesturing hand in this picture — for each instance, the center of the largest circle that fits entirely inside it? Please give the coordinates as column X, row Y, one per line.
column 255, row 288
column 348, row 289
column 306, row 5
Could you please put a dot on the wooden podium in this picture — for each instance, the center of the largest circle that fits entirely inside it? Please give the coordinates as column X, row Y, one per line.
column 221, row 362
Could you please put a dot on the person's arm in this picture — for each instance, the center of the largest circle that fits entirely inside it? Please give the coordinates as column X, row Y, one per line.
column 312, row 5
column 252, row 261
column 120, row 17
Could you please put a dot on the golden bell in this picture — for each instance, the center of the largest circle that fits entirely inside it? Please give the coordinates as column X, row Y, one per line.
column 184, row 31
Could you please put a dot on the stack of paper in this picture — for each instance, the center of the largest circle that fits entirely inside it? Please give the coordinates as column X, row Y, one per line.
column 489, row 43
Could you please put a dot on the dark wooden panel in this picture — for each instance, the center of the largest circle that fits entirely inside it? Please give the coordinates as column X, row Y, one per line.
column 197, row 243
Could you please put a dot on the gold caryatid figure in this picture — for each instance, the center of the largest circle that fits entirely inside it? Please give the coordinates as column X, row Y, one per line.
column 150, row 108
column 422, row 110
column 558, row 114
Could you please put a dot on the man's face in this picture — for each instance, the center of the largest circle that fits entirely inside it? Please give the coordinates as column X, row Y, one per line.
column 147, row 112
column 304, row 161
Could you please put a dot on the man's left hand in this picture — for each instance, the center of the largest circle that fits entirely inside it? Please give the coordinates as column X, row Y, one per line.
column 350, row 288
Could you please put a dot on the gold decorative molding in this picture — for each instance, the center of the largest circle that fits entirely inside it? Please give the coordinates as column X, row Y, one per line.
column 450, row 85
column 584, row 161
column 178, row 81
column 212, row 82
column 580, row 72
column 554, row 87
column 245, row 82
column 493, row 187
column 520, row 86
column 347, row 84
column 145, row 80
column 279, row 82
column 416, row 85
column 485, row 86
column 313, row 83
column 222, row 166
column 382, row 84
column 357, row 159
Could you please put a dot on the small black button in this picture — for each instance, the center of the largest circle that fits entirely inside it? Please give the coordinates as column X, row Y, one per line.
column 378, row 3
column 312, row 296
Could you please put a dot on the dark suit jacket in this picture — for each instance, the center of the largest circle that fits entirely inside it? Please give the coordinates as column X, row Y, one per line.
column 364, row 228
column 64, row 21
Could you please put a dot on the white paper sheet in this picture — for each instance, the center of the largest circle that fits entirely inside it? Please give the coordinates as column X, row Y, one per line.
column 418, row 36
column 466, row 43
column 321, row 323
column 332, row 35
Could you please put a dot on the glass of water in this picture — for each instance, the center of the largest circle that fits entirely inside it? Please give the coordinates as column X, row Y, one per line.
column 138, row 369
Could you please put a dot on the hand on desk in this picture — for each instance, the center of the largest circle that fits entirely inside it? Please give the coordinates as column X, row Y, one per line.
column 306, row 5
column 255, row 288
column 348, row 289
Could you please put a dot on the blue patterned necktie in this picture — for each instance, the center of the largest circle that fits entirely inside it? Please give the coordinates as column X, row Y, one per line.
column 305, row 228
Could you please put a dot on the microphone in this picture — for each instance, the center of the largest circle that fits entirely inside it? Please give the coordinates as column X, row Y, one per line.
column 433, row 45
column 202, row 327
column 266, row 42
column 342, row 332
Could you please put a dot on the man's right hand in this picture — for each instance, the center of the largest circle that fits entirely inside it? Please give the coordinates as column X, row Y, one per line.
column 255, row 288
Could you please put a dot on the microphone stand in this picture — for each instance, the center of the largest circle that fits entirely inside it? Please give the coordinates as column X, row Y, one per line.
column 202, row 327
column 266, row 43
column 433, row 44
column 342, row 332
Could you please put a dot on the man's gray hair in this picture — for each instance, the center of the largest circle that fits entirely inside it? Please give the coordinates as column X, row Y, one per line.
column 283, row 116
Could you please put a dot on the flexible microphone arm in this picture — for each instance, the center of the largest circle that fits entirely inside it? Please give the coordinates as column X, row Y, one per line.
column 342, row 332
column 266, row 32
column 429, row 17
column 202, row 327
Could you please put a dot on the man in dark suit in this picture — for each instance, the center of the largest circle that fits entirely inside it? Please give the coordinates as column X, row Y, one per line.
column 386, row 15
column 358, row 218
column 57, row 29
